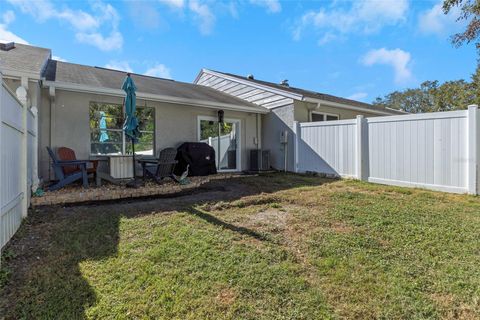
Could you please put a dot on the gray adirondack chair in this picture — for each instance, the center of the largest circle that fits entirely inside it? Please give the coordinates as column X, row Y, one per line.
column 160, row 168
column 64, row 179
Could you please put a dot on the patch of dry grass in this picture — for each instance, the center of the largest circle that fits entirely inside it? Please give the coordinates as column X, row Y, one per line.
column 268, row 247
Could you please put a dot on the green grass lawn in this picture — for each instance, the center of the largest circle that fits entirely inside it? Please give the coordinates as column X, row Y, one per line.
column 270, row 247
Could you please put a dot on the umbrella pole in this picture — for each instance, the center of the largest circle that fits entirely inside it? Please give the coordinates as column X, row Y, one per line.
column 134, row 166
column 134, row 183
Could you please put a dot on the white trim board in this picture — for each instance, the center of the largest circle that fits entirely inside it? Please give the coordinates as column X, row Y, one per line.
column 153, row 97
column 346, row 106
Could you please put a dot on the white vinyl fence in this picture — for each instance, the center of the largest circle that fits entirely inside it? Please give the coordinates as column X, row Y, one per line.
column 438, row 151
column 225, row 142
column 17, row 154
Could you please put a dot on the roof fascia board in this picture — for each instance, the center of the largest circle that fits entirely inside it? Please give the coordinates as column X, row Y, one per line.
column 345, row 106
column 45, row 63
column 11, row 77
column 11, row 73
column 152, row 97
column 253, row 84
column 199, row 75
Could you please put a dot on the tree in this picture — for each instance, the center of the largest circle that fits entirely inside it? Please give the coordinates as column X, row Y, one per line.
column 475, row 86
column 453, row 95
column 432, row 97
column 409, row 100
column 469, row 11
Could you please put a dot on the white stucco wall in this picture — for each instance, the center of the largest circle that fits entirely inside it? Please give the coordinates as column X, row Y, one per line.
column 174, row 124
column 278, row 120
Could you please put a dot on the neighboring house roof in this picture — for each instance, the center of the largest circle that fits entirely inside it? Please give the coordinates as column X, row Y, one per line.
column 24, row 60
column 76, row 77
column 302, row 94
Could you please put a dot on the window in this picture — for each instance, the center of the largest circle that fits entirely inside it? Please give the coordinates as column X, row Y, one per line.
column 317, row 116
column 227, row 146
column 146, row 123
column 106, row 130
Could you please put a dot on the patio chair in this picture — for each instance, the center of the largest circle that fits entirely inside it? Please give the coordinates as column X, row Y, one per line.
column 65, row 179
column 67, row 154
column 160, row 168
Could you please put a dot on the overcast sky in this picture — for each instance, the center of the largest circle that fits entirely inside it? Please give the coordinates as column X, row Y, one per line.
column 358, row 49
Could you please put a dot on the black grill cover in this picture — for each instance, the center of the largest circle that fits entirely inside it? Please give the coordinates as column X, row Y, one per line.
column 199, row 155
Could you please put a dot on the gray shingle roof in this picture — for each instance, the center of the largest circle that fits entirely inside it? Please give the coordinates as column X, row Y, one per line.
column 112, row 79
column 312, row 94
column 24, row 58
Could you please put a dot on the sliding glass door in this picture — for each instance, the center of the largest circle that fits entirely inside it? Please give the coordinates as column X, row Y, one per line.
column 224, row 138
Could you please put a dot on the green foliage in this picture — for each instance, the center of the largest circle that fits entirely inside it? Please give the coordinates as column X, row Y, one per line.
column 114, row 119
column 469, row 12
column 5, row 271
column 210, row 129
column 432, row 97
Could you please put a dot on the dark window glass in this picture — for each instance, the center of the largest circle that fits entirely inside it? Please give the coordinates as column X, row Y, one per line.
column 331, row 117
column 317, row 117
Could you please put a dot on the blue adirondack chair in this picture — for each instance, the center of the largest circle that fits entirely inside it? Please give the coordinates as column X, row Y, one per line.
column 64, row 179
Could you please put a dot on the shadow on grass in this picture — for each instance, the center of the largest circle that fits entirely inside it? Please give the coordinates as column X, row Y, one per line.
column 46, row 280
column 220, row 223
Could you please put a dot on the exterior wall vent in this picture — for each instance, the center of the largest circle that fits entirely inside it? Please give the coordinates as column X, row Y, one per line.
column 7, row 46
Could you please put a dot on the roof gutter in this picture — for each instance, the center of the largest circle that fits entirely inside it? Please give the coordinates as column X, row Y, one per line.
column 349, row 107
column 153, row 97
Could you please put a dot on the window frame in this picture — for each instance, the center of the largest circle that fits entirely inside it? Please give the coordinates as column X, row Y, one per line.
column 324, row 115
column 237, row 136
column 124, row 140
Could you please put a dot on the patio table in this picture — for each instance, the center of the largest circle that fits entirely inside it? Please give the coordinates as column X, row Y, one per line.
column 114, row 168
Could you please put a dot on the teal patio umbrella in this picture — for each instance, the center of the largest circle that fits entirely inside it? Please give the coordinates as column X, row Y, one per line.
column 130, row 127
column 103, row 126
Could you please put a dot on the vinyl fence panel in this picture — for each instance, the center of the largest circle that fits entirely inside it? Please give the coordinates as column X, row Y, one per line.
column 438, row 151
column 328, row 147
column 11, row 189
column 428, row 150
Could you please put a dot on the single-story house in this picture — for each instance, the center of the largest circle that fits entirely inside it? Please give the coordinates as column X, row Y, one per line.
column 71, row 99
column 286, row 105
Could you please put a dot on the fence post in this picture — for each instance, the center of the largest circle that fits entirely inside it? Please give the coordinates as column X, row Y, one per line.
column 360, row 148
column 296, row 132
column 34, row 164
column 1, row 156
column 473, row 133
column 21, row 93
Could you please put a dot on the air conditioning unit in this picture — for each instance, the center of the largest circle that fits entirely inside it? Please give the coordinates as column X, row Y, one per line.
column 259, row 160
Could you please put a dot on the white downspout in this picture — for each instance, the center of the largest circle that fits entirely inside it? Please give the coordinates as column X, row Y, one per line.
column 310, row 111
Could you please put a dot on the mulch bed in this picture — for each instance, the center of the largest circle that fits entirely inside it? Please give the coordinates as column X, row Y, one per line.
column 76, row 194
